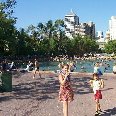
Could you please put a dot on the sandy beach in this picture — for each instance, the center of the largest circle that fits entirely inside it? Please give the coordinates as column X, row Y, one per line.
column 39, row 97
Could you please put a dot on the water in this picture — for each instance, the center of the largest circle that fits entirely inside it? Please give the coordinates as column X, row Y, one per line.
column 81, row 65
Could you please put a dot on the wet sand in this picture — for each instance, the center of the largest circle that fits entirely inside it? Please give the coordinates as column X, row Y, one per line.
column 39, row 97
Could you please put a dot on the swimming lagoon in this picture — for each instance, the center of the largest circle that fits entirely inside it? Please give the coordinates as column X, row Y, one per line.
column 81, row 65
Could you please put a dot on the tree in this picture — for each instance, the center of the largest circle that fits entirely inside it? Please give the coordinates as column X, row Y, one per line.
column 82, row 45
column 7, row 28
column 50, row 34
column 110, row 47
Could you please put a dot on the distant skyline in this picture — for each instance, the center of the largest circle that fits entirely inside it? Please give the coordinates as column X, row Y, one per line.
column 34, row 11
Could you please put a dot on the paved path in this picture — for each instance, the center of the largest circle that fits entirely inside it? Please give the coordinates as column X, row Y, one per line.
column 39, row 97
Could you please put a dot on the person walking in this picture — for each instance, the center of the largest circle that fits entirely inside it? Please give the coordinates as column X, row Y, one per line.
column 36, row 68
column 66, row 93
column 97, row 84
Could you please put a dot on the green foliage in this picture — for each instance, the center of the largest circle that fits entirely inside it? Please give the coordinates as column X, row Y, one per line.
column 82, row 45
column 6, row 7
column 110, row 47
column 7, row 28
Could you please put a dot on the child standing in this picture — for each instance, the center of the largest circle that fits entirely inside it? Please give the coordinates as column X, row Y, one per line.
column 97, row 84
column 66, row 93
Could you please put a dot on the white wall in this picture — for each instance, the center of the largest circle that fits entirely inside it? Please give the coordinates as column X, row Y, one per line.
column 112, row 28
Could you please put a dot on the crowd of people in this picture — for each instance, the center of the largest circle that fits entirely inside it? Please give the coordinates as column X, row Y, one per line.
column 10, row 66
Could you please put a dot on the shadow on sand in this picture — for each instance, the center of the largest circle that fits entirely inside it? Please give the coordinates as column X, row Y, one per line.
column 81, row 85
column 109, row 112
column 39, row 89
column 45, row 88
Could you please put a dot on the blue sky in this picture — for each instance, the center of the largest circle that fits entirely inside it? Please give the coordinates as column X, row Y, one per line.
column 34, row 11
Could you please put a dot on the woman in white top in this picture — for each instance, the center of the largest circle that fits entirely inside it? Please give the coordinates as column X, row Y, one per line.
column 97, row 69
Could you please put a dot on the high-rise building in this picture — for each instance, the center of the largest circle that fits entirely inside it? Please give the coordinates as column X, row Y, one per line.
column 100, row 39
column 99, row 34
column 107, row 38
column 73, row 27
column 112, row 28
column 71, row 20
column 84, row 29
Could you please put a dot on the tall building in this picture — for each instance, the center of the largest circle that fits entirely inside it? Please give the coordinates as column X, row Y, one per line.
column 84, row 29
column 112, row 28
column 74, row 27
column 100, row 39
column 71, row 20
column 99, row 34
column 107, row 38
column 91, row 29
